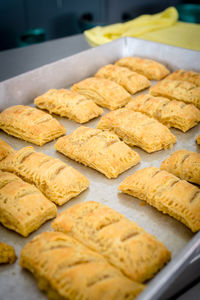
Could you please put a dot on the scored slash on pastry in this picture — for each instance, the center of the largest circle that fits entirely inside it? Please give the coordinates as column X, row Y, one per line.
column 151, row 69
column 131, row 81
column 128, row 247
column 68, row 104
column 30, row 124
column 178, row 90
column 137, row 129
column 171, row 113
column 23, row 208
column 183, row 164
column 100, row 150
column 166, row 192
column 58, row 181
column 190, row 76
column 66, row 269
column 103, row 92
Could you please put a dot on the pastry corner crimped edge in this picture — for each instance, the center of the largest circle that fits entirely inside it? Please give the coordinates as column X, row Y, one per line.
column 5, row 149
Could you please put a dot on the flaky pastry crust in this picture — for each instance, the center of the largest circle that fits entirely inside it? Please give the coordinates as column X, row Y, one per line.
column 102, row 151
column 68, row 104
column 177, row 89
column 30, row 124
column 171, row 113
column 122, row 242
column 169, row 194
column 23, row 208
column 137, row 129
column 66, row 269
column 131, row 81
column 152, row 69
column 58, row 181
column 103, row 92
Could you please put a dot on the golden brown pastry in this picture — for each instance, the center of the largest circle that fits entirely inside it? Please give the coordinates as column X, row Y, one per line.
column 137, row 129
column 104, row 92
column 58, row 181
column 153, row 70
column 183, row 164
column 177, row 89
column 23, row 208
column 171, row 113
column 198, row 139
column 131, row 81
column 161, row 189
column 30, row 124
column 68, row 104
column 123, row 243
column 66, row 269
column 5, row 149
column 102, row 151
column 7, row 254
column 190, row 76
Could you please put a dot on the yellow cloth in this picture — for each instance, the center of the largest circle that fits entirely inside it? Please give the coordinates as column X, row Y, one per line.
column 162, row 27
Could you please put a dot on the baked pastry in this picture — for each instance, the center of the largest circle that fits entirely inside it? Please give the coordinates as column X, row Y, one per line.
column 55, row 179
column 138, row 254
column 7, row 254
column 198, row 139
column 66, row 269
column 177, row 89
column 5, row 149
column 102, row 151
column 152, row 69
column 161, row 189
column 30, row 124
column 183, row 164
column 68, row 104
column 137, row 129
column 23, row 208
column 104, row 92
column 171, row 113
column 190, row 76
column 131, row 81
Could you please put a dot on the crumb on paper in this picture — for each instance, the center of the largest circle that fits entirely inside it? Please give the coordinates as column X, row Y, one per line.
column 143, row 203
column 7, row 254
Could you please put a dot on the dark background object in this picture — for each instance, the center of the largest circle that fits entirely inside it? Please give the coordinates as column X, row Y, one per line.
column 32, row 36
column 189, row 12
column 60, row 18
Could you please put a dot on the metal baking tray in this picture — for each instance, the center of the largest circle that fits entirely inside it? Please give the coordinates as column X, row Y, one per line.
column 19, row 284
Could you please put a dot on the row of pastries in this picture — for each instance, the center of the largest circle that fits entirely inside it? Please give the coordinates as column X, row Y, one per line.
column 92, row 236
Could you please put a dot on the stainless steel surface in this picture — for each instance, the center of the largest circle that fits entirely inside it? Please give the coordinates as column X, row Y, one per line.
column 19, row 284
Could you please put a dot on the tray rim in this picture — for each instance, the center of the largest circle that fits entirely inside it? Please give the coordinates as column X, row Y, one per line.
column 160, row 283
column 125, row 43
